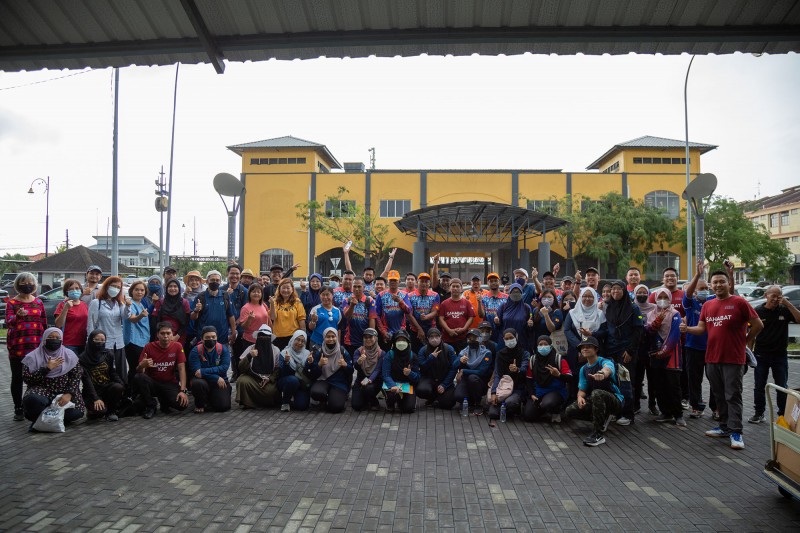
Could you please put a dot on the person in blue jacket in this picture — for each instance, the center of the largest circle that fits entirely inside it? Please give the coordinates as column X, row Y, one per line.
column 367, row 361
column 512, row 360
column 293, row 382
column 208, row 368
column 546, row 382
column 436, row 361
column 400, row 369
column 473, row 367
column 332, row 372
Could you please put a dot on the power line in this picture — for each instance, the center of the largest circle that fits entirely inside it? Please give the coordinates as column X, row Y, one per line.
column 47, row 80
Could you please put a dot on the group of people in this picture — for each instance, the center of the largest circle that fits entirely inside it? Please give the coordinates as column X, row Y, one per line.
column 522, row 347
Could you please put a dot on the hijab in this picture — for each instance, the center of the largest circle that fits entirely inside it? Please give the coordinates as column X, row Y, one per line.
column 646, row 307
column 670, row 312
column 39, row 357
column 333, row 354
column 92, row 356
column 400, row 359
column 372, row 355
column 507, row 355
column 172, row 306
column 583, row 316
column 539, row 362
column 619, row 311
column 160, row 283
column 313, row 298
column 515, row 311
column 264, row 364
column 474, row 355
column 296, row 359
column 440, row 365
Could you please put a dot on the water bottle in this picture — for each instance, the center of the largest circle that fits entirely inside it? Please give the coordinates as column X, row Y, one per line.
column 465, row 408
column 503, row 412
column 348, row 245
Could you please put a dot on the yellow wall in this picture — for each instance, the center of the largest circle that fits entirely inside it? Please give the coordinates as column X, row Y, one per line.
column 328, row 185
column 309, row 166
column 445, row 187
column 630, row 153
column 395, row 186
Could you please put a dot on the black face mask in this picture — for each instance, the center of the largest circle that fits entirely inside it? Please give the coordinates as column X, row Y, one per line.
column 330, row 345
column 641, row 298
column 571, row 304
column 213, row 285
column 209, row 344
column 473, row 344
column 52, row 344
column 26, row 289
column 99, row 345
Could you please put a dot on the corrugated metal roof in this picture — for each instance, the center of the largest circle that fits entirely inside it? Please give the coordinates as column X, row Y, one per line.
column 57, row 34
column 287, row 141
column 786, row 197
column 648, row 141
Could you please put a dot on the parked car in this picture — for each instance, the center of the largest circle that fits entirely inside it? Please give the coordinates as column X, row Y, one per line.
column 756, row 294
column 3, row 302
column 790, row 292
column 51, row 299
column 745, row 289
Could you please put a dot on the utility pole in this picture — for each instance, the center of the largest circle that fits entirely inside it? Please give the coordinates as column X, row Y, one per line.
column 372, row 158
column 67, row 238
column 162, row 203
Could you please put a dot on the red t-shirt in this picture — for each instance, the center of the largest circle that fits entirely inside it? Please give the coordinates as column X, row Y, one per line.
column 677, row 301
column 455, row 315
column 75, row 325
column 726, row 323
column 164, row 360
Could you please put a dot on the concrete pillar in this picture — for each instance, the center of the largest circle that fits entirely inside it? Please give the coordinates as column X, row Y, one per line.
column 525, row 259
column 418, row 261
column 544, row 257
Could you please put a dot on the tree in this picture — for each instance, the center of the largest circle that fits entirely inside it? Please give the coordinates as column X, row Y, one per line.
column 8, row 264
column 729, row 233
column 343, row 220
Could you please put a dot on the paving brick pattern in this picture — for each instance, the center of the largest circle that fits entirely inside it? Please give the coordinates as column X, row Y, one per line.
column 430, row 471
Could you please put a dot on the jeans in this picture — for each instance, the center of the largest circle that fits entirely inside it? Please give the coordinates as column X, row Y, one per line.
column 294, row 393
column 549, row 404
column 779, row 364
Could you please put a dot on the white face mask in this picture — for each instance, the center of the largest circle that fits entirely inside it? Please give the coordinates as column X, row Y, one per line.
column 435, row 341
column 511, row 343
column 547, row 302
column 401, row 345
column 113, row 292
column 663, row 304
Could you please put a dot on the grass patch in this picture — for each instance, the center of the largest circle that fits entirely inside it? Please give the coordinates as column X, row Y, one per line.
column 3, row 332
column 794, row 346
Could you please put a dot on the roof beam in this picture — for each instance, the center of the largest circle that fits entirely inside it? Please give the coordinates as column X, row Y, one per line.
column 214, row 54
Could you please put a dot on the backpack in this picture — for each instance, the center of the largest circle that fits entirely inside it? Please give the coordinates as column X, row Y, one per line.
column 625, row 386
column 201, row 350
column 204, row 300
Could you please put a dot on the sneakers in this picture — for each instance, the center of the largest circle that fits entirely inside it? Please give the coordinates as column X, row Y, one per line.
column 595, row 439
column 654, row 411
column 685, row 404
column 696, row 413
column 149, row 413
column 555, row 418
column 605, row 426
column 737, row 442
column 680, row 421
column 112, row 417
column 718, row 432
column 756, row 419
column 623, row 421
column 665, row 418
column 285, row 408
column 478, row 411
column 18, row 414
column 715, row 416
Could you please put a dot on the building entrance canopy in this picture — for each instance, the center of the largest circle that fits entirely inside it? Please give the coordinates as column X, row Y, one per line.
column 489, row 223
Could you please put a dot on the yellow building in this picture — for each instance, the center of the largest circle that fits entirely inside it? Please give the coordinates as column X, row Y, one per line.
column 282, row 172
column 780, row 215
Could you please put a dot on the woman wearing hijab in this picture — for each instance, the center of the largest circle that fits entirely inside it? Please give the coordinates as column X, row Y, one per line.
column 641, row 293
column 173, row 308
column 473, row 367
column 311, row 296
column 400, row 374
column 108, row 312
column 294, row 383
column 546, row 382
column 663, row 329
column 512, row 360
column 625, row 326
column 515, row 314
column 102, row 387
column 367, row 361
column 332, row 371
column 584, row 321
column 259, row 370
column 436, row 360
column 50, row 370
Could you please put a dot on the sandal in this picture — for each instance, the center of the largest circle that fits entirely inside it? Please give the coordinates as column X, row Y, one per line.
column 199, row 410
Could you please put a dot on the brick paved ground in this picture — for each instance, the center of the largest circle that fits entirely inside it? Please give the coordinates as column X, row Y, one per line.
column 432, row 471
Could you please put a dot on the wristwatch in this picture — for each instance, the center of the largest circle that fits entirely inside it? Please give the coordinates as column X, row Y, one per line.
column 185, row 391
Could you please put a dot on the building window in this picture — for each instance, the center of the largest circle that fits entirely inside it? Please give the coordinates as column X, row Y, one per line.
column 395, row 208
column 339, row 208
column 773, row 220
column 785, row 218
column 795, row 211
column 795, row 238
column 612, row 168
column 658, row 261
column 666, row 201
column 544, row 206
column 278, row 161
column 659, row 160
column 322, row 169
column 276, row 256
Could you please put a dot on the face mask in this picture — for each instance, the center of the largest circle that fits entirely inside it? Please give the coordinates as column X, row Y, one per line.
column 473, row 343
column 113, row 292
column 515, row 296
column 401, row 345
column 333, row 284
column 435, row 341
column 484, row 337
column 511, row 343
column 702, row 295
column 99, row 345
column 663, row 304
column 210, row 344
column 571, row 304
column 26, row 289
column 641, row 298
column 52, row 344
column 153, row 287
column 547, row 302
column 213, row 285
column 521, row 281
column 74, row 294
column 544, row 349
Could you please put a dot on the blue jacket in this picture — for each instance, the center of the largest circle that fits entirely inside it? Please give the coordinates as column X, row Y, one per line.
column 216, row 363
column 377, row 373
column 574, row 338
column 412, row 378
column 425, row 362
column 341, row 379
column 483, row 370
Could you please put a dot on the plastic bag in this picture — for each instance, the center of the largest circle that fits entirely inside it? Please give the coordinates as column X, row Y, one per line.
column 51, row 420
column 752, row 362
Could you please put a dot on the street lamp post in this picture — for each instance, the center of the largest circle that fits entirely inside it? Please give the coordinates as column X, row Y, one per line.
column 698, row 196
column 46, row 213
column 227, row 185
column 688, row 176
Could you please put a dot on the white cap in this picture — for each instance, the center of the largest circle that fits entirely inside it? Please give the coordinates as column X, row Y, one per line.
column 521, row 270
column 264, row 329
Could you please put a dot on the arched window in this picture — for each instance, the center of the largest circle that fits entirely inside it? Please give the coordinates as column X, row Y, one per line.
column 666, row 201
column 276, row 256
column 658, row 261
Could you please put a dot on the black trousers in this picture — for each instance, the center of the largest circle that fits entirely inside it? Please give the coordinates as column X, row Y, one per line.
column 548, row 404
column 165, row 392
column 473, row 388
column 668, row 391
column 110, row 393
column 16, row 381
column 210, row 395
column 364, row 396
column 407, row 403
column 427, row 390
column 637, row 378
column 513, row 405
column 239, row 346
column 132, row 353
column 334, row 398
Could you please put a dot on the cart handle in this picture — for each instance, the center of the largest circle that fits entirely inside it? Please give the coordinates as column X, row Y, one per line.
column 788, row 392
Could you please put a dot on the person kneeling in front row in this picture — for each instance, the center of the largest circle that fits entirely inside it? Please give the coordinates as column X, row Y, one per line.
column 598, row 395
column 161, row 373
column 209, row 362
column 259, row 370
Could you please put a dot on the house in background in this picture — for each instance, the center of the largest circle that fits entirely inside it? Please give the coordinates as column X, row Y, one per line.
column 136, row 251
column 72, row 263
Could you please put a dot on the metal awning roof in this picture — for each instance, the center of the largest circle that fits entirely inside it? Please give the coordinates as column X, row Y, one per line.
column 476, row 222
column 59, row 34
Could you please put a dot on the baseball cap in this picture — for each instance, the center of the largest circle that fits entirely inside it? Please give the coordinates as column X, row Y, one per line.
column 589, row 341
column 445, row 274
column 335, row 276
column 94, row 267
column 476, row 277
column 393, row 274
column 170, row 268
column 475, row 332
column 592, row 269
column 521, row 270
column 371, row 332
column 569, row 279
column 275, row 267
column 493, row 275
column 484, row 324
column 424, row 275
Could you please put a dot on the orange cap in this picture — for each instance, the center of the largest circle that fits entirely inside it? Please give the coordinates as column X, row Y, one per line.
column 393, row 274
column 424, row 275
column 493, row 275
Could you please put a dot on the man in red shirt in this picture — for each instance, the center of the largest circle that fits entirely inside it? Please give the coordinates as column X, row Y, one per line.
column 162, row 373
column 725, row 319
column 454, row 317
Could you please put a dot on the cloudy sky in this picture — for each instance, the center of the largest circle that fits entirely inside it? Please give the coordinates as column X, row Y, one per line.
column 528, row 112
